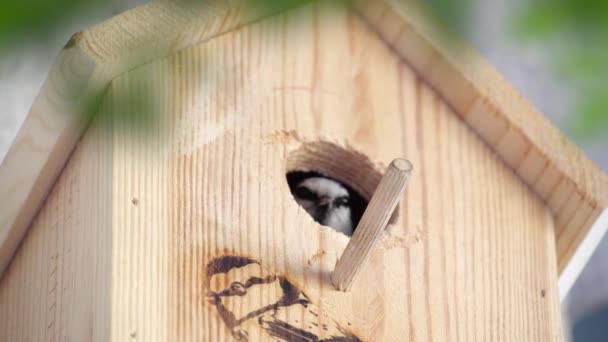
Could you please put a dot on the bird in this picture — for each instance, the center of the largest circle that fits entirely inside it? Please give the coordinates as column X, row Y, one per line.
column 329, row 202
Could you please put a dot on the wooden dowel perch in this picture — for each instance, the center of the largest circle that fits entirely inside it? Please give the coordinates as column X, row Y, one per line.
column 372, row 224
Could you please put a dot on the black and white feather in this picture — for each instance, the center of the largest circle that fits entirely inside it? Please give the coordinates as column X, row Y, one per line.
column 329, row 202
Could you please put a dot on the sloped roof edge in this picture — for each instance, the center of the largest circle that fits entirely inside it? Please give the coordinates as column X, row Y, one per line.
column 575, row 190
column 76, row 82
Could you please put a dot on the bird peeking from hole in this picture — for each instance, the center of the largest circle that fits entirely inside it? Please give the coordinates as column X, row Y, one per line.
column 329, row 202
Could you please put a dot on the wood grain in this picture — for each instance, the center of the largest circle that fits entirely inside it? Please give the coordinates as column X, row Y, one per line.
column 550, row 164
column 469, row 258
column 373, row 223
column 74, row 86
column 43, row 145
column 58, row 287
column 575, row 190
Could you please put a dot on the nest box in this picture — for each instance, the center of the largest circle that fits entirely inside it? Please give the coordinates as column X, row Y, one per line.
column 187, row 231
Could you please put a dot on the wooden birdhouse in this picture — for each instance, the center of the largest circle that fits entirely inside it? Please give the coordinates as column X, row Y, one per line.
column 146, row 196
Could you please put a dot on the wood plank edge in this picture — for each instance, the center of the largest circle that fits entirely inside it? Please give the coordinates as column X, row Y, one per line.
column 82, row 71
column 583, row 253
column 423, row 50
column 43, row 144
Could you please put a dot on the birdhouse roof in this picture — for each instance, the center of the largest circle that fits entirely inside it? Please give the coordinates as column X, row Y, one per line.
column 573, row 188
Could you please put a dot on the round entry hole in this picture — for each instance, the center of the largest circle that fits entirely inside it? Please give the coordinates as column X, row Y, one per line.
column 333, row 184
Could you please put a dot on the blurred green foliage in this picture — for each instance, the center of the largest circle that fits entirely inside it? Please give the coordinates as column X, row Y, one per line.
column 453, row 15
column 581, row 17
column 139, row 108
column 577, row 32
column 274, row 6
column 26, row 19
column 576, row 29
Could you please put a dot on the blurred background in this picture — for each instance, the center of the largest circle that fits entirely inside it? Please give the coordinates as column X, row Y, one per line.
column 555, row 52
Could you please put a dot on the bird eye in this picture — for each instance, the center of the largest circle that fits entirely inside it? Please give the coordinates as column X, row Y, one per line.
column 304, row 193
column 341, row 201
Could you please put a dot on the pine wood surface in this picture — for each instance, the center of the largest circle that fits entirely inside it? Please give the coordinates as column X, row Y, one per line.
column 58, row 287
column 78, row 79
column 125, row 243
column 574, row 188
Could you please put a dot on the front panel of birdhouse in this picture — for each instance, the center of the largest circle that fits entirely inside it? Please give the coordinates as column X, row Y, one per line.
column 186, row 230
